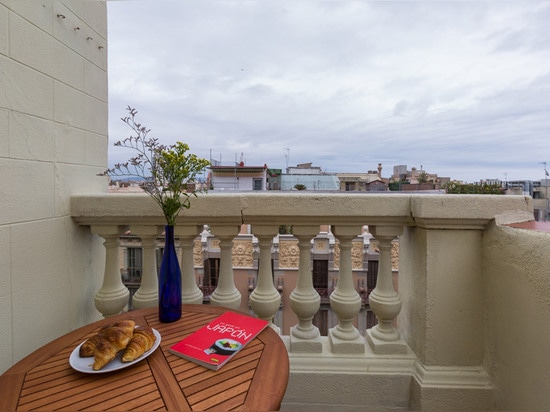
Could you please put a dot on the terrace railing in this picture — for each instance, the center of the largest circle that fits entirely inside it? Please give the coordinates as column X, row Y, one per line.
column 440, row 240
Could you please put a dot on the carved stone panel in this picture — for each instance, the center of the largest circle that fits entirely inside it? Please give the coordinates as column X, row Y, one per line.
column 395, row 255
column 356, row 255
column 243, row 253
column 321, row 245
column 289, row 254
column 197, row 253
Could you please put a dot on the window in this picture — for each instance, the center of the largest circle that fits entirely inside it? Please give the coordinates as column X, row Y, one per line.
column 257, row 184
column 320, row 274
column 372, row 274
column 211, row 272
column 134, row 264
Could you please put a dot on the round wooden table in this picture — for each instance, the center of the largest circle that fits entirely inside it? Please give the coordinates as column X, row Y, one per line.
column 255, row 379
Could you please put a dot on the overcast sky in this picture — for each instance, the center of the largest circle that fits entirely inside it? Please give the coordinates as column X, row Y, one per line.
column 459, row 88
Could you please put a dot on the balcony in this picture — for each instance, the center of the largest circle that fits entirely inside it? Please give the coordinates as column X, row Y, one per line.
column 458, row 334
column 467, row 330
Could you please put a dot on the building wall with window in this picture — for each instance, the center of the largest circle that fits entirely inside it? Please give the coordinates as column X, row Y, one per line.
column 238, row 178
column 541, row 200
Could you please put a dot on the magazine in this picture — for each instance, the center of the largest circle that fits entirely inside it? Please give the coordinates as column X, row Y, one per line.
column 216, row 343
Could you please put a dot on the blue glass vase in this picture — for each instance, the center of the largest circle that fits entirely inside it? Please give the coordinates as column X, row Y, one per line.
column 169, row 281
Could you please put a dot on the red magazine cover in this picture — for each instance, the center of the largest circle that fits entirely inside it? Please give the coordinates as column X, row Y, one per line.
column 214, row 344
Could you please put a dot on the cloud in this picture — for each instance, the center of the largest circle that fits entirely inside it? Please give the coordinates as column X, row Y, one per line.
column 459, row 87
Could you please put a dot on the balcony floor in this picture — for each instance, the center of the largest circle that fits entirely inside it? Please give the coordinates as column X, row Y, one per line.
column 330, row 408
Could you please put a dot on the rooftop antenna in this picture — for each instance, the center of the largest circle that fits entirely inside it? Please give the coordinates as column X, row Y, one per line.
column 545, row 171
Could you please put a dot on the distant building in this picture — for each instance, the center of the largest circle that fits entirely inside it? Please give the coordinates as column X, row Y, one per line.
column 309, row 177
column 538, row 190
column 400, row 172
column 541, row 201
column 133, row 186
column 372, row 181
column 304, row 169
column 128, row 186
column 514, row 187
column 238, row 177
column 416, row 180
column 274, row 179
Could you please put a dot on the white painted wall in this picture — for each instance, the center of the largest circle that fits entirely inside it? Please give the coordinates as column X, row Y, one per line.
column 53, row 140
column 221, row 183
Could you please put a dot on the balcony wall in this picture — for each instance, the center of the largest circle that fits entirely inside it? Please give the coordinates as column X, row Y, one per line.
column 452, row 312
column 516, row 287
column 53, row 140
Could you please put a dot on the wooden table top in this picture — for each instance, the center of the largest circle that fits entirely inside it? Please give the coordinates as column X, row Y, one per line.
column 255, row 379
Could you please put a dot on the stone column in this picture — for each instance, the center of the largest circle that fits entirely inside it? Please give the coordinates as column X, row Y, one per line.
column 226, row 294
column 442, row 285
column 265, row 300
column 345, row 301
column 304, row 299
column 384, row 300
column 147, row 294
column 190, row 291
column 113, row 296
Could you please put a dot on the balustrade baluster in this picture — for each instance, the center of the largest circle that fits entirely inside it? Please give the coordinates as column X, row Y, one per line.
column 304, row 299
column 147, row 294
column 226, row 294
column 384, row 300
column 190, row 292
column 265, row 300
column 345, row 301
column 113, row 296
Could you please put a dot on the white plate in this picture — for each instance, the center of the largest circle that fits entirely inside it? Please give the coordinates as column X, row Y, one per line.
column 85, row 364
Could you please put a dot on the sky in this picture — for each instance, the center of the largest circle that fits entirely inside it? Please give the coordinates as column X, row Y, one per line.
column 457, row 88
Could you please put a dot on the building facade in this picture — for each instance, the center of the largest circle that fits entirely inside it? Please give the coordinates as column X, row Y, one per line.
column 416, row 179
column 237, row 177
column 372, row 181
column 305, row 176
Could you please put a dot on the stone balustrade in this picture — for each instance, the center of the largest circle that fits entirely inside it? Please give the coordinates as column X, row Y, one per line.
column 440, row 242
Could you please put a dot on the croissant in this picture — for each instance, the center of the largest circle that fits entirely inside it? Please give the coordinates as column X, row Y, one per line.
column 88, row 347
column 142, row 340
column 113, row 339
column 105, row 344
